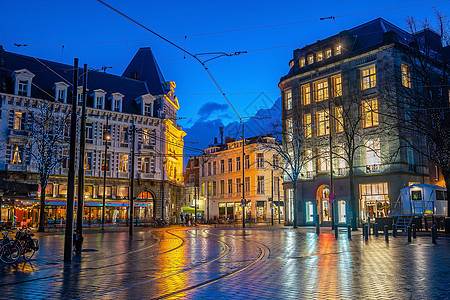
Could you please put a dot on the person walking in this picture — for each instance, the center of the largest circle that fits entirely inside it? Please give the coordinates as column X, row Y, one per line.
column 188, row 221
column 182, row 218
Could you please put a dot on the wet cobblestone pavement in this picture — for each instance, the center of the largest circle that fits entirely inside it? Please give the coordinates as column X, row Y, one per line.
column 221, row 263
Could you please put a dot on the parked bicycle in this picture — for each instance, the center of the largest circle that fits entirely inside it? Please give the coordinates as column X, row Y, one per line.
column 22, row 245
column 159, row 222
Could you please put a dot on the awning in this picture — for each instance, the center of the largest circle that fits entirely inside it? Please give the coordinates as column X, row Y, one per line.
column 275, row 203
column 190, row 209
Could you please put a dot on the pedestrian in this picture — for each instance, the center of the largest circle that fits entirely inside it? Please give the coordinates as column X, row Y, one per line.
column 188, row 221
column 182, row 218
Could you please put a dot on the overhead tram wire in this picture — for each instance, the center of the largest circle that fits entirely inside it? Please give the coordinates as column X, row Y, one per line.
column 178, row 47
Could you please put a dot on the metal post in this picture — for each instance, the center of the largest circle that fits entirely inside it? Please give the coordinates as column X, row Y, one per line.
column 433, row 234
column 68, row 238
column 195, row 197
column 386, row 233
column 375, row 229
column 394, row 230
column 317, row 224
column 243, row 177
column 336, row 233
column 331, row 165
column 272, row 208
column 366, row 232
column 133, row 152
column 349, row 231
column 105, row 168
column 279, row 204
column 80, row 206
column 414, row 231
column 408, row 229
column 368, row 226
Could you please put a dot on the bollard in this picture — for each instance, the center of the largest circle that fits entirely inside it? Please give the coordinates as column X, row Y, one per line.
column 436, row 232
column 336, row 233
column 408, row 229
column 433, row 235
column 317, row 228
column 386, row 233
column 349, row 232
column 414, row 231
column 426, row 224
column 375, row 229
column 394, row 230
column 366, row 227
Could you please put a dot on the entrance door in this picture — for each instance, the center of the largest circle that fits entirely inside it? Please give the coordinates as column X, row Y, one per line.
column 309, row 212
column 341, row 211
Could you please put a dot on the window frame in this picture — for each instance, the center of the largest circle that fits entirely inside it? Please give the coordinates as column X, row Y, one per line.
column 321, row 93
column 371, row 77
column 323, row 120
column 306, row 94
column 373, row 113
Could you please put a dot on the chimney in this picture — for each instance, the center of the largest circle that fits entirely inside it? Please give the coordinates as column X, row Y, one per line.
column 221, row 134
column 215, row 141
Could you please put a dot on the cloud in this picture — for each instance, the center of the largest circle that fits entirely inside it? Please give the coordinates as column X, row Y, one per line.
column 209, row 108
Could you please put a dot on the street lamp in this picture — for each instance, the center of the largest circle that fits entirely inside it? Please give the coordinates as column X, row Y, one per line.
column 107, row 137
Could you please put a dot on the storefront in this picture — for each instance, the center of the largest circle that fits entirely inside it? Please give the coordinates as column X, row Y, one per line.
column 374, row 200
column 261, row 211
column 278, row 210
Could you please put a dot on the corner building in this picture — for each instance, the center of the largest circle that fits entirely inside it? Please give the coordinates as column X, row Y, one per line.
column 359, row 59
column 140, row 96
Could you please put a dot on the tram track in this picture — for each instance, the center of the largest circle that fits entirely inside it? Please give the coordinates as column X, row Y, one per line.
column 60, row 266
column 227, row 249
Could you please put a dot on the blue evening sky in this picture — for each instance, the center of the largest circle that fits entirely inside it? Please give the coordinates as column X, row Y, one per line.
column 89, row 31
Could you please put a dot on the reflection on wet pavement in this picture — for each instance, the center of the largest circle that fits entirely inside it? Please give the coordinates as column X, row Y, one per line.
column 257, row 263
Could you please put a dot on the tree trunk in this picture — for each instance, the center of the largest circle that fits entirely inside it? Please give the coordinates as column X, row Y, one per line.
column 294, row 199
column 353, row 203
column 42, row 212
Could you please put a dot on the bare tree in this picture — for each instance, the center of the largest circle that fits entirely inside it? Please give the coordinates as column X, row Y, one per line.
column 289, row 145
column 419, row 89
column 47, row 144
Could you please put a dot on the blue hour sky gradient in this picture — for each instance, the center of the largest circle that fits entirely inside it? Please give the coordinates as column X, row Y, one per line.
column 90, row 31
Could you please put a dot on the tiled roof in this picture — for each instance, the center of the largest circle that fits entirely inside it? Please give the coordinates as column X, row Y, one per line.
column 47, row 73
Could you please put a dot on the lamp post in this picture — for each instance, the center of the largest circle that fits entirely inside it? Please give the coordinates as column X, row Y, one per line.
column 107, row 137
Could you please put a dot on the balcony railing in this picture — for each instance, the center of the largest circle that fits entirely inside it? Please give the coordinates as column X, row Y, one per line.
column 124, row 145
column 12, row 167
column 309, row 175
column 145, row 175
column 146, row 147
column 123, row 175
column 340, row 172
column 18, row 132
column 370, row 169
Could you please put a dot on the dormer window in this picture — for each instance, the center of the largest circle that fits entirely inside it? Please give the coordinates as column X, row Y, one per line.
column 99, row 99
column 147, row 109
column 146, row 103
column 338, row 50
column 328, row 53
column 301, row 62
column 319, row 56
column 22, row 89
column 22, row 82
column 310, row 59
column 61, row 92
column 116, row 102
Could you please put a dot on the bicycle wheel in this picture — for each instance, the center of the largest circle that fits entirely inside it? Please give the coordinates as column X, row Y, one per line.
column 10, row 253
column 29, row 251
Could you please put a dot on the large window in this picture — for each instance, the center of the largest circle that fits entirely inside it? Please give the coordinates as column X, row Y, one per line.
column 17, row 155
column 209, row 169
column 247, row 185
column 19, row 120
column 238, row 163
column 374, row 200
column 339, row 119
column 145, row 164
column 123, row 134
column 99, row 102
column 230, row 165
column 214, row 188
column 310, row 59
column 289, row 130
column 88, row 161
column 247, row 161
column 321, row 90
column 324, row 160
column 230, row 187
column 370, row 113
column 323, row 122
column 319, row 56
column 123, row 163
column 214, row 167
column 306, row 94
column 222, row 187
column 307, row 123
column 373, row 156
column 368, row 77
column 406, row 75
column 147, row 109
column 260, row 186
column 238, row 186
column 309, row 163
column 22, row 88
column 288, row 99
column 222, row 166
column 337, row 85
column 260, row 160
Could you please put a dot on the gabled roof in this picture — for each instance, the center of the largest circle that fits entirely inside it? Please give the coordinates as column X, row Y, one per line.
column 144, row 67
column 49, row 72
